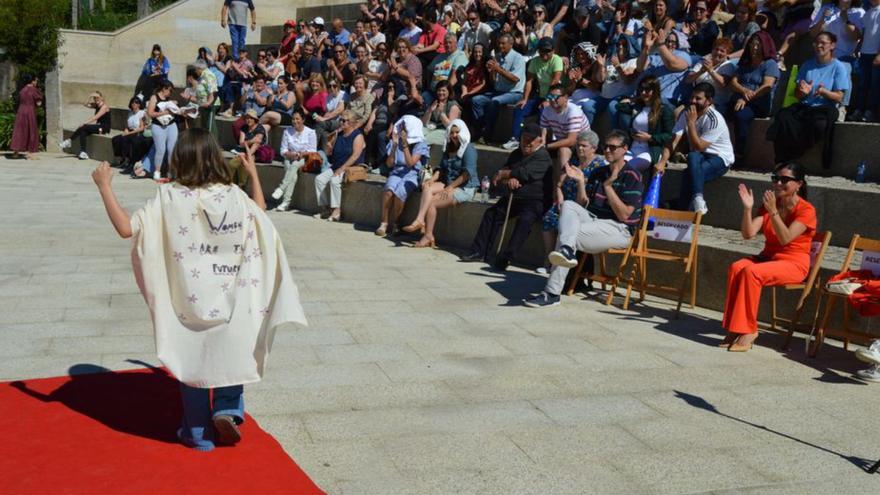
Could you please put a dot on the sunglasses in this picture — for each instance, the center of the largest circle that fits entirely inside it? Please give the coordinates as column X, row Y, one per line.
column 538, row 12
column 340, row 51
column 612, row 147
column 784, row 179
column 552, row 97
column 645, row 90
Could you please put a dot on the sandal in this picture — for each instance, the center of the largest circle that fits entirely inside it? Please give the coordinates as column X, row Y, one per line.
column 415, row 226
column 422, row 243
column 382, row 230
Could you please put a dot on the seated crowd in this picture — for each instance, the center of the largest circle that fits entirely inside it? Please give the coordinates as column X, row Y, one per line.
column 536, row 78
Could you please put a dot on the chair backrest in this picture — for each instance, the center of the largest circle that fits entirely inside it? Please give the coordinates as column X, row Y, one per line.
column 671, row 225
column 817, row 254
column 870, row 249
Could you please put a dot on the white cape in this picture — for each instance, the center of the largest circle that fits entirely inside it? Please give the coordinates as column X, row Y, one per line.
column 213, row 272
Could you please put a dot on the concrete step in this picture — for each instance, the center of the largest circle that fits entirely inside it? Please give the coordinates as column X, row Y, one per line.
column 361, row 205
column 836, row 199
column 719, row 246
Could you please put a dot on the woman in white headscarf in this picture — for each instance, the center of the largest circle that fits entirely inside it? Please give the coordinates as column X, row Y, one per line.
column 408, row 152
column 455, row 181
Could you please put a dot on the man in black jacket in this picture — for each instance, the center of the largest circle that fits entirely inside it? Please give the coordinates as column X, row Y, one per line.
column 528, row 175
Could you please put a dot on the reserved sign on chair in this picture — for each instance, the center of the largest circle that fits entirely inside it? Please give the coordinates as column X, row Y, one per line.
column 672, row 230
column 871, row 261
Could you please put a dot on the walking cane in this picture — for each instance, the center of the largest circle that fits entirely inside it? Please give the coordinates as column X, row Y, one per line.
column 504, row 225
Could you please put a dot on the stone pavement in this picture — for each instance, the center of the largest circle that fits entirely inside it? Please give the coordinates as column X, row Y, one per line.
column 421, row 375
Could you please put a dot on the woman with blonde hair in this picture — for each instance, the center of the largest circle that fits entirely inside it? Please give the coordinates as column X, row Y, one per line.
column 345, row 148
column 99, row 123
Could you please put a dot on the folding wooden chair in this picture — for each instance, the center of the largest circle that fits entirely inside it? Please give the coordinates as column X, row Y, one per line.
column 669, row 225
column 812, row 283
column 870, row 248
column 601, row 274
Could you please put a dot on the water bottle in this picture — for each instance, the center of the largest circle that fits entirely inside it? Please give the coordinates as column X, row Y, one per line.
column 860, row 172
column 484, row 189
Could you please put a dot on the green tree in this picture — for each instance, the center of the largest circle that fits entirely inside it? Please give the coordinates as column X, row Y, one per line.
column 29, row 33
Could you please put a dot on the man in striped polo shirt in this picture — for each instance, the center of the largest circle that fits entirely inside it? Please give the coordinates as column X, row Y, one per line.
column 561, row 121
column 606, row 219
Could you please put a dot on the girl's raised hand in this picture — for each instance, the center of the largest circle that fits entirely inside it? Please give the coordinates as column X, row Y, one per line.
column 746, row 196
column 102, row 175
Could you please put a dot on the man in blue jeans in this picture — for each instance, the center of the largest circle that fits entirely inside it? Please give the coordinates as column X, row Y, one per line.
column 711, row 153
column 234, row 13
column 508, row 72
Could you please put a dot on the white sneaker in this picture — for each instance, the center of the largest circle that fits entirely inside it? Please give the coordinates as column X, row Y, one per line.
column 157, row 175
column 283, row 206
column 871, row 374
column 542, row 270
column 65, row 144
column 700, row 204
column 511, row 145
column 277, row 193
column 83, row 155
column 871, row 354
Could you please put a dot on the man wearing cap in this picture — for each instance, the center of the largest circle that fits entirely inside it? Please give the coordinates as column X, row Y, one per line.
column 528, row 176
column 234, row 13
column 321, row 38
column 474, row 31
column 507, row 69
column 581, row 29
column 543, row 71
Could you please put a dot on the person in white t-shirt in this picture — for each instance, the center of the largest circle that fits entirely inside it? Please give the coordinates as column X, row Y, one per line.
column 561, row 121
column 711, row 153
column 868, row 93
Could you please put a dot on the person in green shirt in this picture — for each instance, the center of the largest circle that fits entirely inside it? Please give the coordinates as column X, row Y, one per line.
column 543, row 71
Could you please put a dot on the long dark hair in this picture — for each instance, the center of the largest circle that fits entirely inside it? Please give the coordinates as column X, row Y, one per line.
column 798, row 172
column 197, row 160
column 656, row 103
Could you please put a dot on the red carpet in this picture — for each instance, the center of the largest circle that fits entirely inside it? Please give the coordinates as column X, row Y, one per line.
column 114, row 433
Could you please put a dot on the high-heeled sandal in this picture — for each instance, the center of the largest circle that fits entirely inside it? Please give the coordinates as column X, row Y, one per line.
column 736, row 347
column 415, row 226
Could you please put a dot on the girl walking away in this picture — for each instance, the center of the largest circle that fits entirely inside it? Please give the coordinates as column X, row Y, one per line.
column 213, row 272
column 26, row 133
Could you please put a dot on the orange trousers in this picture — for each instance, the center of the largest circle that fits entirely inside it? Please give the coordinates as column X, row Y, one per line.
column 746, row 278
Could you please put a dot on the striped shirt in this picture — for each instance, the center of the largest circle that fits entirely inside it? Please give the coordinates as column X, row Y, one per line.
column 627, row 185
column 572, row 119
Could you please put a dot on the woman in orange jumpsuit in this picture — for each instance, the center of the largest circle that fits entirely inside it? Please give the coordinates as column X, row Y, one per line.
column 788, row 222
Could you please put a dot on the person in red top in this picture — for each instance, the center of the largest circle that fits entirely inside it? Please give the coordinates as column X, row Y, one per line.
column 431, row 41
column 788, row 223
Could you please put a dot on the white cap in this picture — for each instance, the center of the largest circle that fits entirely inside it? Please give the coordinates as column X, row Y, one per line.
column 448, row 8
column 319, row 21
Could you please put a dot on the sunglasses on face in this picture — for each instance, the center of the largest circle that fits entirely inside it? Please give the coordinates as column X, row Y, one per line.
column 784, row 179
column 645, row 90
column 612, row 147
column 552, row 97
column 538, row 12
column 340, row 51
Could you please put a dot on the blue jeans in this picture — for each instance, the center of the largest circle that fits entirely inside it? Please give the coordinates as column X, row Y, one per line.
column 742, row 120
column 867, row 97
column 164, row 139
column 237, row 34
column 702, row 168
column 486, row 106
column 594, row 106
column 199, row 409
column 532, row 105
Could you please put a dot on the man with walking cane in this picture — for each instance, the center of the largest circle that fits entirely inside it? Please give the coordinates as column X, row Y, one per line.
column 528, row 176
